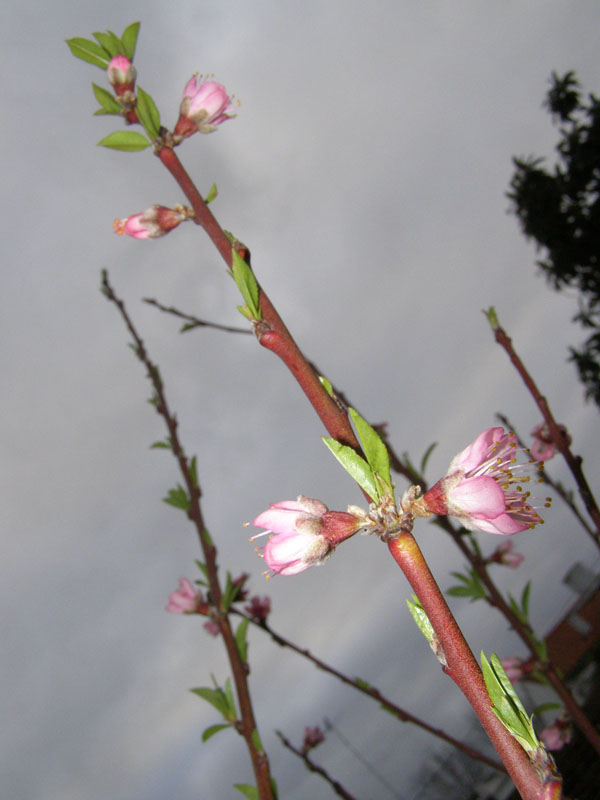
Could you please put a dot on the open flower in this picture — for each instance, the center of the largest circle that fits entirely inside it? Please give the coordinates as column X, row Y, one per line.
column 503, row 555
column 306, row 533
column 483, row 487
column 185, row 600
column 204, row 106
column 153, row 222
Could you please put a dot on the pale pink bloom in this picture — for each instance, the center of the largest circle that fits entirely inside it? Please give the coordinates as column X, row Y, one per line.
column 483, row 487
column 204, row 106
column 210, row 626
column 153, row 222
column 259, row 608
column 519, row 670
column 542, row 447
column 185, row 600
column 306, row 532
column 121, row 74
column 503, row 555
column 312, row 737
column 558, row 734
column 514, row 668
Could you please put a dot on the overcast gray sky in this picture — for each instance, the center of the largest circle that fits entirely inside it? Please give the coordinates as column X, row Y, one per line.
column 367, row 171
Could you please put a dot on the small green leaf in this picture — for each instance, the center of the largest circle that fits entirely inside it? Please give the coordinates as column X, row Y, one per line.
column 506, row 703
column 178, row 498
column 229, row 698
column 362, row 684
column 256, row 740
column 193, row 471
column 108, row 102
column 212, row 193
column 214, row 729
column 147, row 113
column 250, row 792
column 216, row 697
column 240, row 639
column 525, row 599
column 129, row 39
column 420, row 617
column 88, row 51
column 245, row 312
column 246, row 283
column 355, row 466
column 547, row 707
column 130, row 141
column 327, row 385
column 203, row 568
column 110, row 42
column 425, row 458
column 160, row 446
column 492, row 318
column 373, row 447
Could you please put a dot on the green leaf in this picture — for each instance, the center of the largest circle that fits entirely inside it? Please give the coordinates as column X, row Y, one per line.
column 203, row 568
column 421, row 619
column 216, row 697
column 251, row 792
column 193, row 471
column 425, row 458
column 107, row 100
column 212, row 193
column 525, row 599
column 240, row 639
column 327, row 385
column 374, row 448
column 88, row 51
column 130, row 141
column 547, row 707
column 147, row 113
column 178, row 498
column 506, row 703
column 129, row 39
column 245, row 312
column 160, row 446
column 256, row 740
column 355, row 466
column 362, row 684
column 110, row 42
column 246, row 283
column 214, row 729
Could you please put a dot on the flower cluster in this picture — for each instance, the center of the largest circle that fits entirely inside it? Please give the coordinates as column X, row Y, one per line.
column 153, row 222
column 204, row 106
column 483, row 487
column 305, row 533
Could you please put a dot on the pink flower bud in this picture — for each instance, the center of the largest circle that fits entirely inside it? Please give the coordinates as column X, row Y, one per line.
column 185, row 600
column 153, row 222
column 312, row 737
column 543, row 447
column 519, row 670
column 483, row 487
column 306, row 533
column 259, row 608
column 210, row 626
column 558, row 734
column 121, row 75
column 503, row 555
column 204, row 106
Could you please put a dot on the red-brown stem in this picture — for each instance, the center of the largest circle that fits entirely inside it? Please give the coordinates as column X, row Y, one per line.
column 375, row 694
column 558, row 439
column 310, row 764
column 247, row 724
column 273, row 334
column 462, row 667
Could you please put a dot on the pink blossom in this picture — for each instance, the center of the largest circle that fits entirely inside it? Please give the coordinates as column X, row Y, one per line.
column 483, row 487
column 503, row 555
column 153, row 222
column 306, row 533
column 558, row 734
column 121, row 74
column 518, row 669
column 259, row 608
column 204, row 106
column 210, row 626
column 543, row 447
column 312, row 737
column 185, row 600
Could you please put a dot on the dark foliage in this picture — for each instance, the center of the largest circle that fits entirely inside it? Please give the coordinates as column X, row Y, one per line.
column 559, row 207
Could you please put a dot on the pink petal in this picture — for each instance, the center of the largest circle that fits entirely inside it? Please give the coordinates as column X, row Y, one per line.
column 477, row 452
column 480, row 497
column 278, row 520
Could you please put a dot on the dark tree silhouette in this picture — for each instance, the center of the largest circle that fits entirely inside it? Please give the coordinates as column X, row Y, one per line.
column 559, row 208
